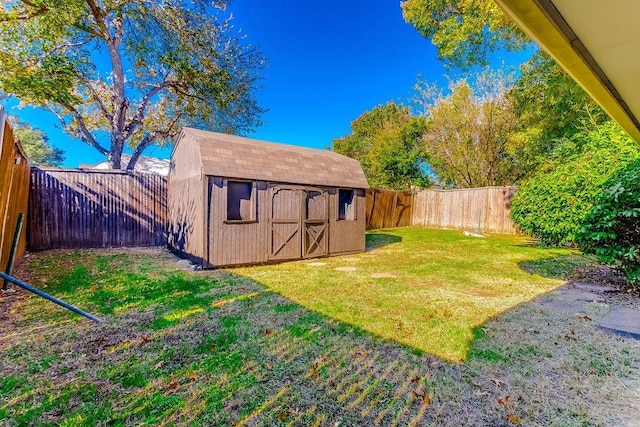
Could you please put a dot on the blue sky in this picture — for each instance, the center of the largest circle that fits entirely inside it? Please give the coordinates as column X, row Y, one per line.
column 328, row 62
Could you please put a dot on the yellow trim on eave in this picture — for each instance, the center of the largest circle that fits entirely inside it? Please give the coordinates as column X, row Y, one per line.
column 533, row 21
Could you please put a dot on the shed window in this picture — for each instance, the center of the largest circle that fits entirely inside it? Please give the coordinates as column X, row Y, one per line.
column 240, row 201
column 346, row 205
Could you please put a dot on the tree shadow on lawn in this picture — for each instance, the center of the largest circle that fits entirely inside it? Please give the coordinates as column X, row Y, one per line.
column 230, row 352
column 216, row 348
column 560, row 267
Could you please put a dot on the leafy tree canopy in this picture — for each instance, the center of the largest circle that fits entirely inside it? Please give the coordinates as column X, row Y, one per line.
column 129, row 71
column 465, row 32
column 468, row 138
column 36, row 144
column 551, row 108
column 386, row 141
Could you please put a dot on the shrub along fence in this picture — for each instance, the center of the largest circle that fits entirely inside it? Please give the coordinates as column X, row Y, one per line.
column 14, row 191
column 71, row 208
column 486, row 209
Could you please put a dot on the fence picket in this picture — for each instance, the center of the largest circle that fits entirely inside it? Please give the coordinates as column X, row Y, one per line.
column 73, row 208
column 455, row 209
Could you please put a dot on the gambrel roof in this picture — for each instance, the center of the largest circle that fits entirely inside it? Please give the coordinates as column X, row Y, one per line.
column 237, row 157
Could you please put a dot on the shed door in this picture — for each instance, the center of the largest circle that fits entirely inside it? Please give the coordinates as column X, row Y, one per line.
column 315, row 223
column 285, row 240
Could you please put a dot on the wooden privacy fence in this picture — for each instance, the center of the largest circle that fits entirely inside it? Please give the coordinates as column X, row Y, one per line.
column 14, row 191
column 486, row 208
column 72, row 208
column 388, row 208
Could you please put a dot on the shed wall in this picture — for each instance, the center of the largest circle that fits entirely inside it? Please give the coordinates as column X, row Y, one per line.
column 187, row 194
column 236, row 243
column 239, row 242
column 347, row 236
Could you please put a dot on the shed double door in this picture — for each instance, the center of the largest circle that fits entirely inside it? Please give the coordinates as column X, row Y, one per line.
column 298, row 222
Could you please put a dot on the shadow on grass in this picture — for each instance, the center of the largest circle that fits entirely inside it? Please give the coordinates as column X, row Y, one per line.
column 560, row 267
column 376, row 240
column 208, row 348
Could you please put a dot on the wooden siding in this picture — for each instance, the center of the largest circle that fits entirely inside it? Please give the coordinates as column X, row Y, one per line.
column 346, row 236
column 72, row 208
column 186, row 227
column 232, row 243
column 292, row 222
column 388, row 208
column 187, row 193
column 465, row 208
column 14, row 192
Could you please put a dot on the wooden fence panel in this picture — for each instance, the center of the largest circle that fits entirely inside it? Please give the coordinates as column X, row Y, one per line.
column 71, row 208
column 388, row 208
column 485, row 208
column 14, row 191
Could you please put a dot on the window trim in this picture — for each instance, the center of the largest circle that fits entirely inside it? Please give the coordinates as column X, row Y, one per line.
column 354, row 204
column 253, row 215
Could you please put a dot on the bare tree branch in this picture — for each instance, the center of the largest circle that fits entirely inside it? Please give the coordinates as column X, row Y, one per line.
column 139, row 115
column 85, row 134
column 150, row 138
column 40, row 9
column 95, row 95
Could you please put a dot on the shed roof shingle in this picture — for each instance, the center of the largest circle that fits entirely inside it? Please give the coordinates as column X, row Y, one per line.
column 244, row 158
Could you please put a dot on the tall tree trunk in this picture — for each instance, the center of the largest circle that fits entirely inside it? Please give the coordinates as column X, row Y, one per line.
column 115, row 159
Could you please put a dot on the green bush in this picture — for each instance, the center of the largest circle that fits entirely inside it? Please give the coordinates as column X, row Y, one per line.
column 612, row 229
column 553, row 204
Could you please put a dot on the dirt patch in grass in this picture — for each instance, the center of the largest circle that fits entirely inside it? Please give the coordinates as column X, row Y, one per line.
column 316, row 264
column 213, row 348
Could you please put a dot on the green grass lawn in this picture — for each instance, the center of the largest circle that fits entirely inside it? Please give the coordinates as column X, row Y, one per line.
column 428, row 289
column 305, row 344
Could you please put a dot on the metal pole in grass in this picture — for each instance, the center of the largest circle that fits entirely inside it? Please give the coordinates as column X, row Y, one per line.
column 49, row 297
column 14, row 248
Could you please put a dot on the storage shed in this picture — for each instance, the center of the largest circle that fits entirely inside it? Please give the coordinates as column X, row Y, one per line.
column 235, row 201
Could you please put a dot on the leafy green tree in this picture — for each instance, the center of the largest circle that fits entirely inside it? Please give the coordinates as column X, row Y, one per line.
column 553, row 204
column 129, row 72
column 464, row 32
column 549, row 105
column 386, row 141
column 468, row 136
column 36, row 144
column 551, row 108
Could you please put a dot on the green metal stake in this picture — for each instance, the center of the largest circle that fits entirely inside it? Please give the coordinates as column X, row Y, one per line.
column 14, row 248
column 45, row 295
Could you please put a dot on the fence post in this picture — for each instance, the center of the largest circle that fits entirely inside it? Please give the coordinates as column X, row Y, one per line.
column 14, row 248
